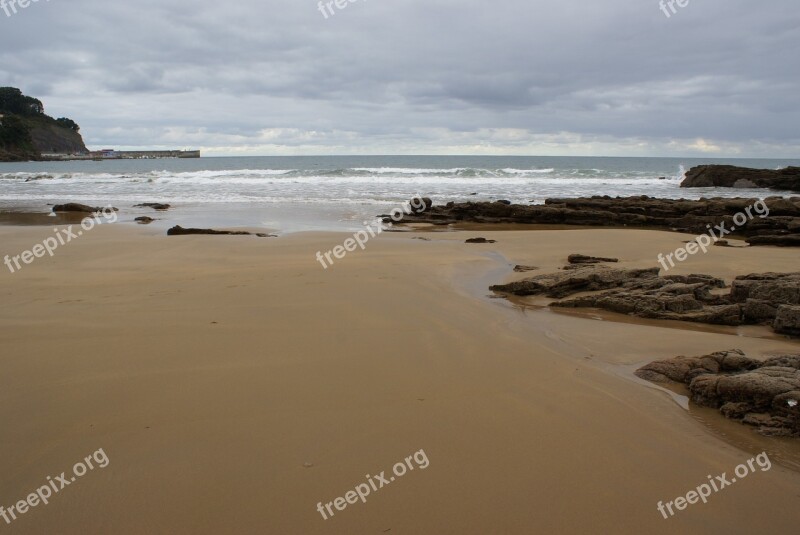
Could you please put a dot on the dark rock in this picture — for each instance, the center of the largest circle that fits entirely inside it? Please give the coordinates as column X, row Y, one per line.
column 480, row 240
column 763, row 394
column 759, row 311
column 524, row 269
column 583, row 259
column 774, row 288
column 428, row 204
column 789, row 240
column 722, row 243
column 180, row 231
column 753, row 299
column 503, row 201
column 787, row 320
column 153, row 205
column 729, row 176
column 643, row 212
column 737, row 410
column 584, row 279
column 144, row 220
column 685, row 369
column 76, row 207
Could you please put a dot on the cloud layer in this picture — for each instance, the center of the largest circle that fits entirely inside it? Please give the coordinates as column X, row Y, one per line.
column 717, row 78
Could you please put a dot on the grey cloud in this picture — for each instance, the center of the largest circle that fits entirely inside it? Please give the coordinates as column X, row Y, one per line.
column 385, row 75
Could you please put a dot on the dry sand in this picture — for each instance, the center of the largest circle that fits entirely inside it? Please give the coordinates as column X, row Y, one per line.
column 213, row 370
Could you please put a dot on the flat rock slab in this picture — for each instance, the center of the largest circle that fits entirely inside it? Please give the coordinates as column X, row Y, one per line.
column 757, row 299
column 153, row 205
column 76, row 207
column 583, row 259
column 780, row 227
column 180, row 231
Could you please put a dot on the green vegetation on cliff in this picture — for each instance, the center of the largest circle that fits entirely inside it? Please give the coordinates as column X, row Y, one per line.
column 26, row 131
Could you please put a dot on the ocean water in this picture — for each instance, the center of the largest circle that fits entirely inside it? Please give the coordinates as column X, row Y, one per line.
column 338, row 192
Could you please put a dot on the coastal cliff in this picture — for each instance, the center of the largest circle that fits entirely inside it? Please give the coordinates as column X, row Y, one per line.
column 26, row 132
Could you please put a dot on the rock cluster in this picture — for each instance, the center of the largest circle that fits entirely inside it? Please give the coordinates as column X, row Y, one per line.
column 764, row 394
column 781, row 227
column 767, row 298
column 729, row 176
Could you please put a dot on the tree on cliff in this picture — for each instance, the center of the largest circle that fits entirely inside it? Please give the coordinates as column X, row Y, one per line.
column 68, row 123
column 13, row 101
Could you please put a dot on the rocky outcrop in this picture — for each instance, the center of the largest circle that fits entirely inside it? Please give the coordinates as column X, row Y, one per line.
column 178, row 230
column 766, row 299
column 781, row 227
column 76, row 207
column 789, row 240
column 729, row 176
column 583, row 259
column 153, row 205
column 480, row 240
column 764, row 394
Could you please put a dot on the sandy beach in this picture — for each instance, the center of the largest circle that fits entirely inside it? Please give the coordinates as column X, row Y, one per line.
column 234, row 384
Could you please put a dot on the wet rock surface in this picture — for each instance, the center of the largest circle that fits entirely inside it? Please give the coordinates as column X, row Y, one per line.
column 178, row 230
column 77, row 207
column 767, row 298
column 153, row 205
column 583, row 259
column 763, row 394
column 781, row 227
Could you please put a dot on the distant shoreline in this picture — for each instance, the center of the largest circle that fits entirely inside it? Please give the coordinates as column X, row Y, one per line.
column 110, row 154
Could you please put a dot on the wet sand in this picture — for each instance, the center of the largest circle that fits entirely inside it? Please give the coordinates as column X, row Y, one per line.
column 234, row 384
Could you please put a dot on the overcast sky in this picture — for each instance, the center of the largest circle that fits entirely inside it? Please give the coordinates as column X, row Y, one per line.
column 563, row 77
